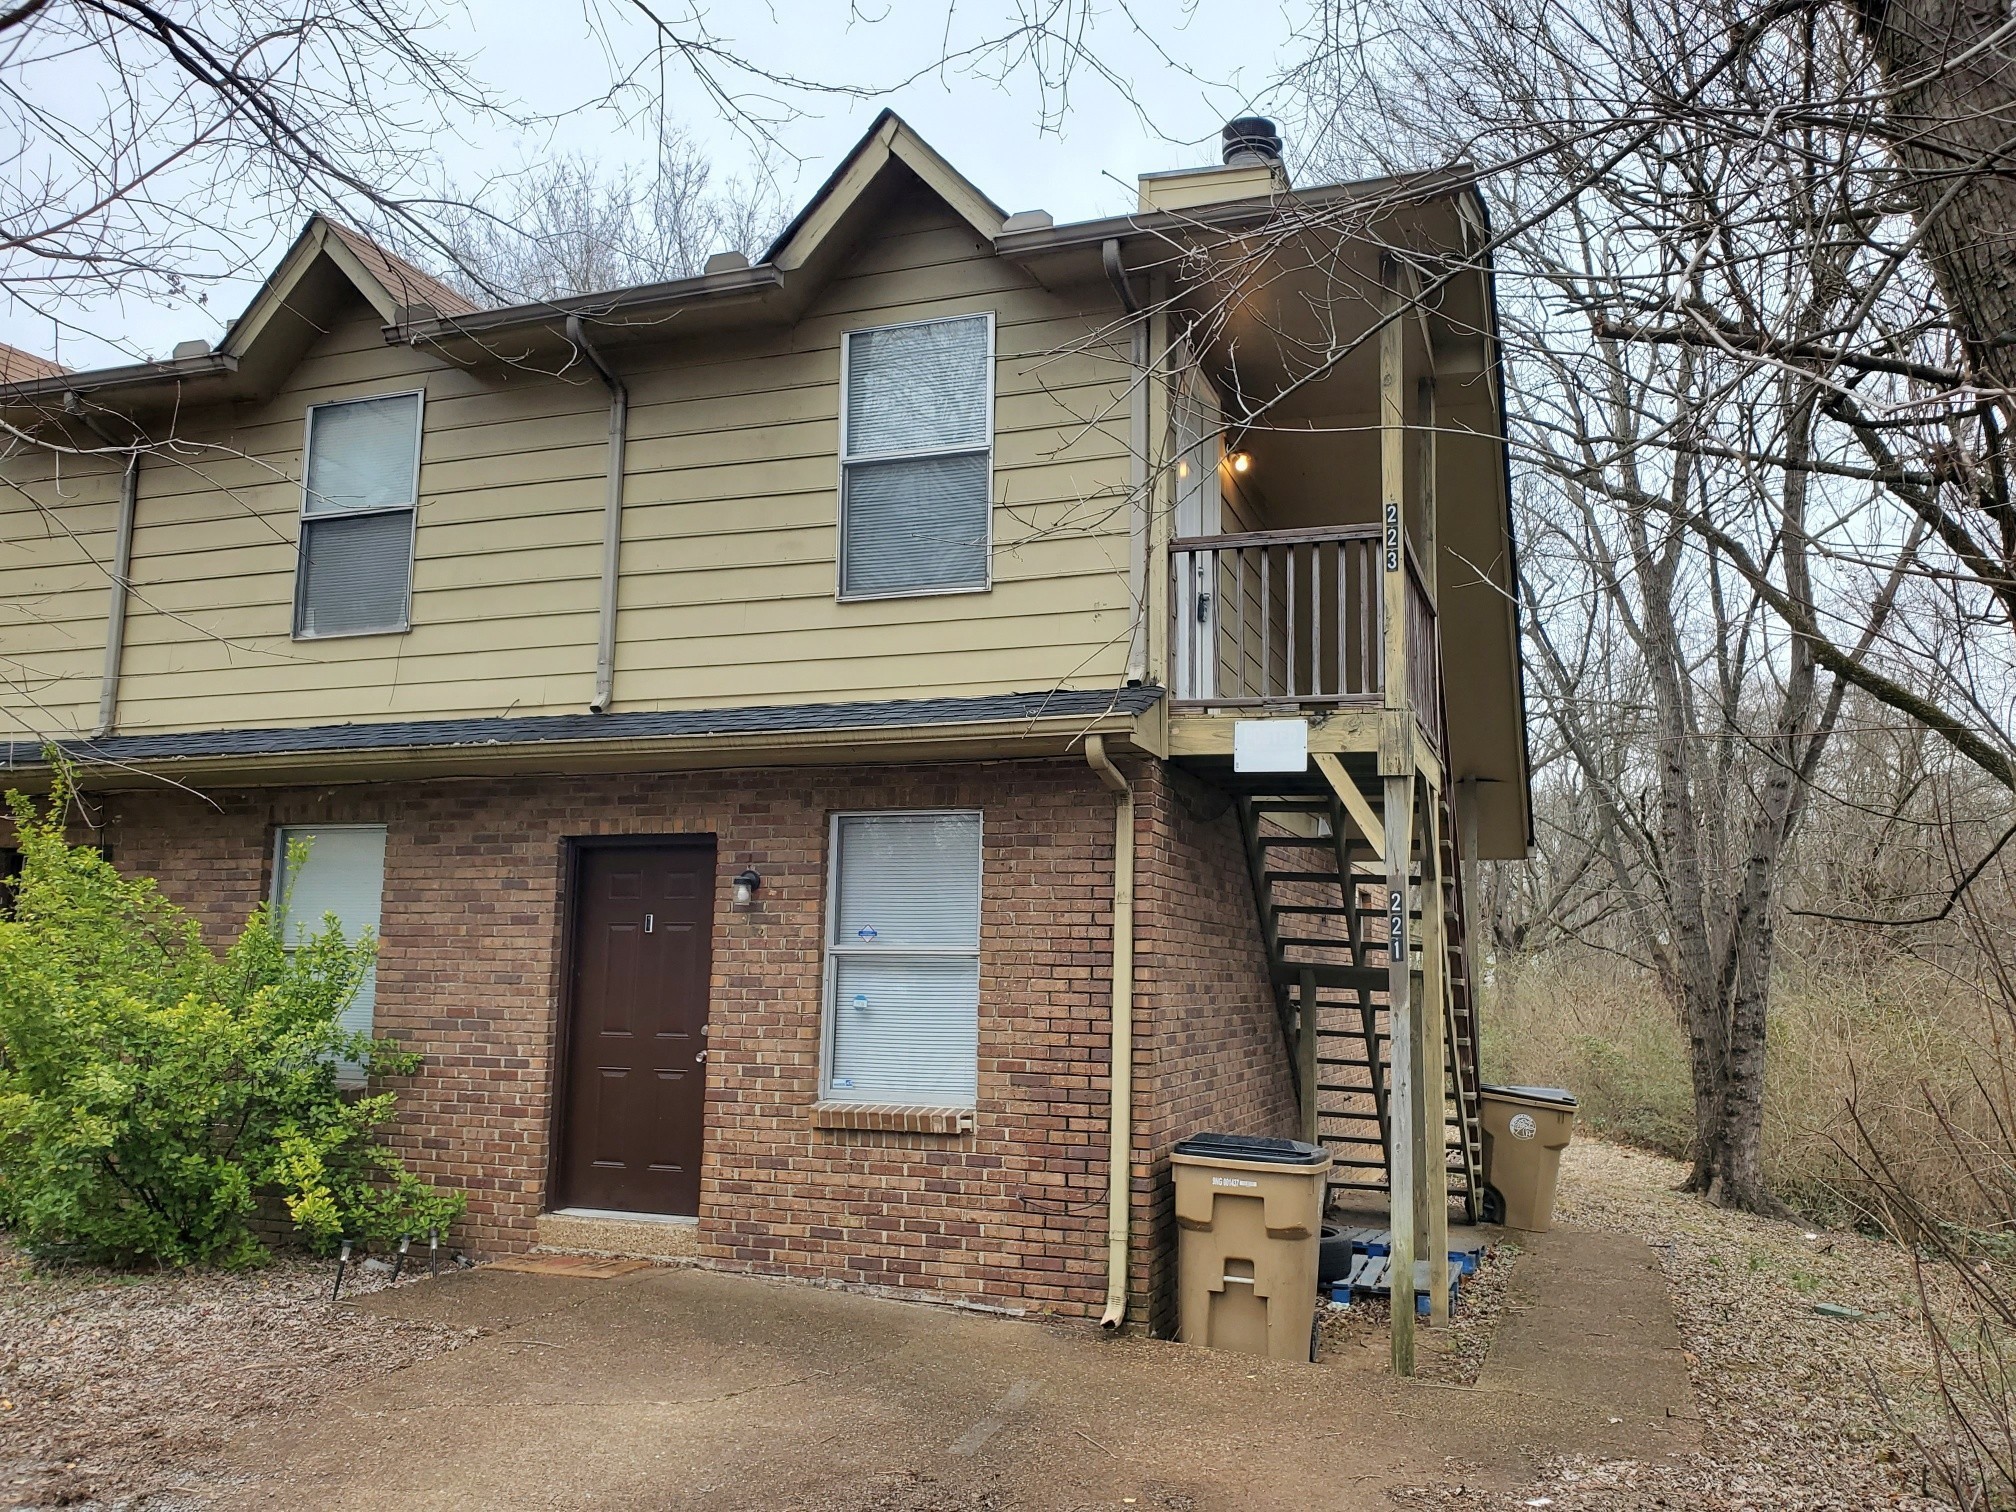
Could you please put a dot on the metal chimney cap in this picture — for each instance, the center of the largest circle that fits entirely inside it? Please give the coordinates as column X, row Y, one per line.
column 1252, row 139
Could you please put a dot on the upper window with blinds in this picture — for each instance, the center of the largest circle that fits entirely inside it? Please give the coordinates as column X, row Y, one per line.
column 916, row 438
column 903, row 959
column 355, row 573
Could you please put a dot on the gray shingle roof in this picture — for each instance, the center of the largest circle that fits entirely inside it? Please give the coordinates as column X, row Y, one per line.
column 438, row 734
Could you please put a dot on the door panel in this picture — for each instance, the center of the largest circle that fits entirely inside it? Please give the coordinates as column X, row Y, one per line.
column 636, row 1052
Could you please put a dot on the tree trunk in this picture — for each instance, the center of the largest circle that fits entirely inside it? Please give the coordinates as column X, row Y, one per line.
column 1951, row 121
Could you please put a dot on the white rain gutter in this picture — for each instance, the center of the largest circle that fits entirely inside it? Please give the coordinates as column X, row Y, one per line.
column 122, row 572
column 1120, row 1078
column 1137, row 448
column 612, row 518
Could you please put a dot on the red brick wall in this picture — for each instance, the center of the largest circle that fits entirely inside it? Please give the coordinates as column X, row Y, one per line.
column 1012, row 1213
column 1210, row 1051
column 469, row 975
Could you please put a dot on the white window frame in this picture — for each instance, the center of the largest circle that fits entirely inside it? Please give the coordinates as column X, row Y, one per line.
column 348, row 1073
column 848, row 458
column 829, row 1011
column 305, row 518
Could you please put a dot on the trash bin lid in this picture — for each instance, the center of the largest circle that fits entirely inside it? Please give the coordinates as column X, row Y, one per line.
column 1558, row 1095
column 1252, row 1148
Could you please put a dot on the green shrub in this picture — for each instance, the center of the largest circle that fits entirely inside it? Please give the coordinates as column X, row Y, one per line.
column 156, row 1096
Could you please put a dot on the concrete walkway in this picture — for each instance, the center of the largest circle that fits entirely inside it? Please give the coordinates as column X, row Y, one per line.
column 672, row 1388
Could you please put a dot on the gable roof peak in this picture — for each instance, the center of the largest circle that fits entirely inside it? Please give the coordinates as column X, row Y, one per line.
column 889, row 141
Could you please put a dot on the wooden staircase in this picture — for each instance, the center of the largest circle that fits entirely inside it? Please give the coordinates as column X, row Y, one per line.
column 1326, row 941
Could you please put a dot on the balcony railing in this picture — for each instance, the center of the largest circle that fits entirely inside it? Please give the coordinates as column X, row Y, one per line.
column 1294, row 617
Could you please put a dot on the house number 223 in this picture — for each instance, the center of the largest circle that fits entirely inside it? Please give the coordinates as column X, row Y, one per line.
column 1393, row 537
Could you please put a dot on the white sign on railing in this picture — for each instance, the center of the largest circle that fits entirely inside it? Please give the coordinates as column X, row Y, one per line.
column 1270, row 745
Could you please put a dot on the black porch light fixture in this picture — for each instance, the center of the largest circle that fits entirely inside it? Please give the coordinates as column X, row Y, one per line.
column 745, row 887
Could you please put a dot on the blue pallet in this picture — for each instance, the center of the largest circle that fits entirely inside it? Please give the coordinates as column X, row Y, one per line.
column 1379, row 1241
column 1372, row 1276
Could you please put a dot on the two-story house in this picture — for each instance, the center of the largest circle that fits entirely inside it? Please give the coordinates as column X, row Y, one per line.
column 849, row 756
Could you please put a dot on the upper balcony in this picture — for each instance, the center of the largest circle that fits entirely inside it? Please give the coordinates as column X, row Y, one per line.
column 1286, row 621
column 1291, row 621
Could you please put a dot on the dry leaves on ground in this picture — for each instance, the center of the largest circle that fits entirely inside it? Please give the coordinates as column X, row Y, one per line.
column 1358, row 1335
column 116, row 1389
column 1789, row 1414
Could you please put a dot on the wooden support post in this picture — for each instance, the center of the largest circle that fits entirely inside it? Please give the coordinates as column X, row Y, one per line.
column 1403, row 1179
column 1354, row 803
column 1466, row 872
column 1435, row 1056
column 1430, row 524
column 1393, row 504
column 1306, row 1049
column 1396, row 765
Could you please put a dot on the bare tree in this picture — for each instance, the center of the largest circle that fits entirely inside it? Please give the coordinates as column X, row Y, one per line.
column 153, row 148
column 568, row 227
column 1949, row 114
column 1697, row 503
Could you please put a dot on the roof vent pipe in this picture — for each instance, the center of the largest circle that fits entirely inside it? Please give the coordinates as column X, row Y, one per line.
column 1251, row 141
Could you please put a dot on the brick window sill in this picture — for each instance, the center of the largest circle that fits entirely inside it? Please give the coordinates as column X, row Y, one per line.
column 892, row 1118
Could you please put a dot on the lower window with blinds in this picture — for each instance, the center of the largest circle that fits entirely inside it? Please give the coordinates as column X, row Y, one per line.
column 332, row 869
column 903, row 959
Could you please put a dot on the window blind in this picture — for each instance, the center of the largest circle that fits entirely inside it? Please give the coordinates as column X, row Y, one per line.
column 917, row 387
column 361, row 453
column 355, row 573
column 904, row 959
column 915, row 524
column 916, row 457
column 344, row 875
column 356, row 561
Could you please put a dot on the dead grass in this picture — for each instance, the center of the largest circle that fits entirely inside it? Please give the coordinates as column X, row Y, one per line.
column 1895, row 1035
column 119, row 1389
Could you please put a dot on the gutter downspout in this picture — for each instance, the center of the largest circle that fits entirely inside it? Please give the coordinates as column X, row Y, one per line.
column 1120, row 1110
column 612, row 518
column 122, row 572
column 1137, row 449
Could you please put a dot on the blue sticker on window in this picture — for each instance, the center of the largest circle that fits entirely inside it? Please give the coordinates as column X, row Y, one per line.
column 866, row 931
column 860, row 1001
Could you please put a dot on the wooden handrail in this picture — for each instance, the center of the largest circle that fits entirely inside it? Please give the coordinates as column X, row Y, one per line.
column 1276, row 538
column 1420, row 578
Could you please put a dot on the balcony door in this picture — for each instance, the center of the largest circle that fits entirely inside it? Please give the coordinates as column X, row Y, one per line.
column 1200, row 511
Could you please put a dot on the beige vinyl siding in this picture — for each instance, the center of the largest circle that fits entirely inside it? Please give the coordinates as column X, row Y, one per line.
column 732, row 521
column 730, row 527
column 507, row 557
column 57, row 518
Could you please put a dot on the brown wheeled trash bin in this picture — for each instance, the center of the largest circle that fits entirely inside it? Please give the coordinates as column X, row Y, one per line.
column 1249, row 1215
column 1525, row 1131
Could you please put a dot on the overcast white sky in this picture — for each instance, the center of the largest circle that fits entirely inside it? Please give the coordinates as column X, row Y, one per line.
column 1220, row 57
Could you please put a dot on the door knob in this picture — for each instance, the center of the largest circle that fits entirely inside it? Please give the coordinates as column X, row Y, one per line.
column 700, row 1057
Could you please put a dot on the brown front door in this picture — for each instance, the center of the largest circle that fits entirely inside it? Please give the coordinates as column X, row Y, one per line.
column 637, row 1046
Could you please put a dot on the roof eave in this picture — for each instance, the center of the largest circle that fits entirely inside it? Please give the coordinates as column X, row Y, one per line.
column 634, row 303
column 1019, row 738
column 1396, row 191
column 138, row 375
